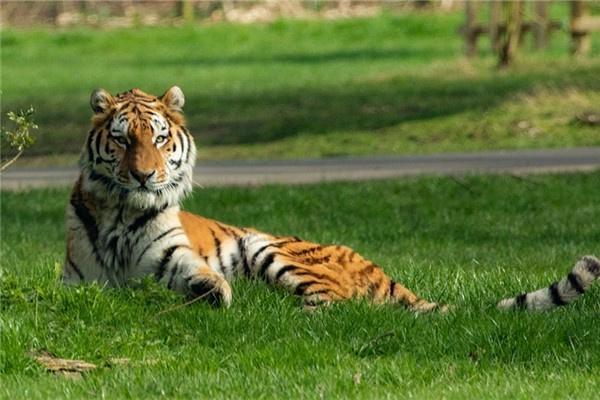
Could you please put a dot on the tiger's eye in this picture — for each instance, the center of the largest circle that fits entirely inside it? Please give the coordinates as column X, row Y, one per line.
column 160, row 139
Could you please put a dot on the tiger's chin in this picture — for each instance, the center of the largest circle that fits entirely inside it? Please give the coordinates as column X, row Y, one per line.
column 111, row 194
column 166, row 196
column 142, row 199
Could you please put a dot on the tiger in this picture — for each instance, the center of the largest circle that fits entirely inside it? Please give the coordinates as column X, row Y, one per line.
column 124, row 220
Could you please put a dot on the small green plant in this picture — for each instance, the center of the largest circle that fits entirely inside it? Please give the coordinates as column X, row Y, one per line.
column 19, row 138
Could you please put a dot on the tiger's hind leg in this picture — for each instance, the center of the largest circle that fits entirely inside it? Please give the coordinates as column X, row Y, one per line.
column 369, row 281
column 324, row 274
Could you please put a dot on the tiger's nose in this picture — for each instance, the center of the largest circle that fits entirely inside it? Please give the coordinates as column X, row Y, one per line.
column 142, row 176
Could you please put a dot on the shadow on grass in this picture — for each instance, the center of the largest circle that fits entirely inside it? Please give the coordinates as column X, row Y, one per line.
column 316, row 57
column 262, row 116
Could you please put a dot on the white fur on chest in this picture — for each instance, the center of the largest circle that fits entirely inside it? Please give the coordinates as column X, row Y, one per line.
column 128, row 244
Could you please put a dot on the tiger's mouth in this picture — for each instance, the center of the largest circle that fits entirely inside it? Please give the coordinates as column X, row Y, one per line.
column 154, row 187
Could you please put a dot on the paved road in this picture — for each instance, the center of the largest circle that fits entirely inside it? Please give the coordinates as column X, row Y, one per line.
column 357, row 168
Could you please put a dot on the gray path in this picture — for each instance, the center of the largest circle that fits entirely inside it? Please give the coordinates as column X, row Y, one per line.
column 356, row 168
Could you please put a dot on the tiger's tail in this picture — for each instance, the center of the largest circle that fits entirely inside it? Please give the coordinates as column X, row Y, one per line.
column 560, row 293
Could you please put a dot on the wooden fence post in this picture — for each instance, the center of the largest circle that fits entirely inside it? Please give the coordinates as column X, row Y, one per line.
column 495, row 22
column 471, row 34
column 580, row 39
column 541, row 25
column 512, row 35
column 56, row 8
column 185, row 10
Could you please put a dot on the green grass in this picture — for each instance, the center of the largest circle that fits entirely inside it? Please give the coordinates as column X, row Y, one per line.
column 468, row 243
column 392, row 84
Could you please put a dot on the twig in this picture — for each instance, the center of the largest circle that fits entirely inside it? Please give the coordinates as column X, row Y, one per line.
column 187, row 303
column 6, row 164
column 62, row 366
column 373, row 341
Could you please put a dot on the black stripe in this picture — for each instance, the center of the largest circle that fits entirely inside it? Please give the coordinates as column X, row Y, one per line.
column 109, row 183
column 217, row 243
column 89, row 224
column 156, row 239
column 107, row 149
column 186, row 144
column 284, row 242
column 94, row 176
column 75, row 268
column 190, row 143
column 98, row 142
column 141, row 221
column 112, row 243
column 86, row 217
column 392, row 288
column 521, row 301
column 255, row 256
column 173, row 273
column 299, row 291
column 555, row 295
column 315, row 275
column 89, row 146
column 283, row 270
column 306, row 251
column 176, row 164
column 574, row 281
column 266, row 246
column 118, row 219
column 368, row 268
column 266, row 264
column 227, row 230
column 162, row 266
column 145, row 218
column 320, row 291
column 100, row 159
column 245, row 266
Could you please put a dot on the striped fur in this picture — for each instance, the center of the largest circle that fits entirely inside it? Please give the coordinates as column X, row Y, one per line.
column 124, row 220
column 560, row 293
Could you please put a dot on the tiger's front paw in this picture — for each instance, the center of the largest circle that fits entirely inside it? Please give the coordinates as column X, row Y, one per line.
column 214, row 288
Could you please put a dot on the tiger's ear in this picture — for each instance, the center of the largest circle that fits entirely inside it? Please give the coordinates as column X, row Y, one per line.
column 173, row 98
column 101, row 101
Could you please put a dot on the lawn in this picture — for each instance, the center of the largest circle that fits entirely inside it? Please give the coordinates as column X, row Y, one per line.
column 467, row 241
column 391, row 84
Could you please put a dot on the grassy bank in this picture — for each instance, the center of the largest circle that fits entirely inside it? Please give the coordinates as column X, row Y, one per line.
column 392, row 84
column 467, row 242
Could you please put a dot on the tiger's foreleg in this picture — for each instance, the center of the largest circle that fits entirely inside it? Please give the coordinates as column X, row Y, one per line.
column 183, row 271
column 323, row 274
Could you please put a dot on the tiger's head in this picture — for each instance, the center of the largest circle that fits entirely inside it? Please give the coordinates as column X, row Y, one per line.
column 139, row 152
